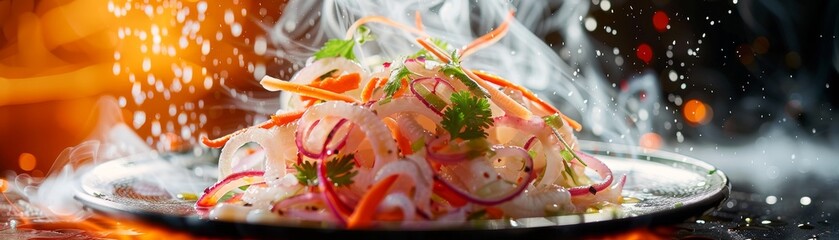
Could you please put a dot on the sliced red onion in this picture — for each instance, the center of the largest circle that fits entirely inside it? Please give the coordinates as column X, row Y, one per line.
column 375, row 131
column 601, row 170
column 423, row 88
column 444, row 158
column 405, row 105
column 213, row 193
column 550, row 144
column 301, row 136
column 500, row 152
column 527, row 144
column 333, row 201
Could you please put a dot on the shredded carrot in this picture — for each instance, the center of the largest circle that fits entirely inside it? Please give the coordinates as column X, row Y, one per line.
column 361, row 21
column 276, row 120
column 401, row 140
column 494, row 212
column 340, row 84
column 273, row 84
column 403, row 87
column 497, row 80
column 507, row 104
column 447, row 194
column 367, row 91
column 489, row 38
column 418, row 20
column 392, row 215
column 366, row 208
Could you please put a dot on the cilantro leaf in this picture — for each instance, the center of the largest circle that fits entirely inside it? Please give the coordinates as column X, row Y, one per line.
column 397, row 77
column 344, row 47
column 364, row 35
column 307, row 173
column 467, row 117
column 336, row 48
column 338, row 170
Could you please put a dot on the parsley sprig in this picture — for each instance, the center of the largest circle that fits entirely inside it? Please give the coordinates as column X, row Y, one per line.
column 344, row 47
column 339, row 170
column 467, row 117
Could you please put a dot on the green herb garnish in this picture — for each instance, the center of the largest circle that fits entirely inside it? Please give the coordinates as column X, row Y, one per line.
column 397, row 77
column 453, row 69
column 467, row 117
column 343, row 47
column 338, row 170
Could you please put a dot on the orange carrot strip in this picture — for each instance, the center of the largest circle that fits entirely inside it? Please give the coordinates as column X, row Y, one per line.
column 503, row 101
column 366, row 208
column 447, row 194
column 392, row 215
column 403, row 87
column 497, row 80
column 367, row 91
column 489, row 38
column 401, row 140
column 273, row 84
column 340, row 84
column 361, row 21
column 276, row 120
column 494, row 212
column 418, row 20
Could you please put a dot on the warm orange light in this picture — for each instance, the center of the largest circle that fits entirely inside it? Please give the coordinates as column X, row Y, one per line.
column 4, row 185
column 27, row 161
column 651, row 140
column 697, row 112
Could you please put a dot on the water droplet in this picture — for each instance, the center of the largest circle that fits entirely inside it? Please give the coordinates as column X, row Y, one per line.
column 805, row 200
column 139, row 119
column 260, row 46
column 590, row 24
column 228, row 16
column 771, row 200
column 208, row 82
column 806, row 226
column 236, row 29
column 146, row 64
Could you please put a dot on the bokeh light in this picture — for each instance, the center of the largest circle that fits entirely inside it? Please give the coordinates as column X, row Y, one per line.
column 696, row 112
column 660, row 21
column 27, row 161
column 644, row 52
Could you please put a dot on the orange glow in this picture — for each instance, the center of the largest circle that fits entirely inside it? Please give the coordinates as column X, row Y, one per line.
column 697, row 112
column 4, row 185
column 638, row 234
column 651, row 140
column 27, row 161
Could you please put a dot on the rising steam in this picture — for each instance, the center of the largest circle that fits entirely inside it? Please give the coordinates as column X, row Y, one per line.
column 576, row 84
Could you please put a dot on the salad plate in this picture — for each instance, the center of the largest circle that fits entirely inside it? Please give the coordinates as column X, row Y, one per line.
column 661, row 188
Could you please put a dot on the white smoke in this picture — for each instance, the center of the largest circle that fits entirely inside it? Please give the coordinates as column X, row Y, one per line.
column 576, row 84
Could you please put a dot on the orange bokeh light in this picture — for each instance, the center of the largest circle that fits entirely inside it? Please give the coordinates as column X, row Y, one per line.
column 696, row 112
column 27, row 161
column 651, row 140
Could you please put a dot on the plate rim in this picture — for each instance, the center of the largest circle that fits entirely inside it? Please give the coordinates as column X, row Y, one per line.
column 219, row 228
